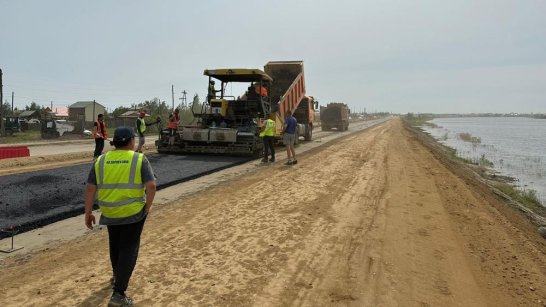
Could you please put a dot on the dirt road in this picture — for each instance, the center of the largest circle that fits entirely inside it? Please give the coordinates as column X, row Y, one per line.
column 374, row 219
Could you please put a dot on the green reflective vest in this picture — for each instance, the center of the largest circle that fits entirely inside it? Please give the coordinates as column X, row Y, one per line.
column 120, row 191
column 269, row 128
column 142, row 125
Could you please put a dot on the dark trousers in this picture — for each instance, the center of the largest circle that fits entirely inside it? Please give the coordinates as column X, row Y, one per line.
column 269, row 146
column 99, row 146
column 124, row 245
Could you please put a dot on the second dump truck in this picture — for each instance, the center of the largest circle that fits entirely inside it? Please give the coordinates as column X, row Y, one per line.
column 334, row 115
column 230, row 124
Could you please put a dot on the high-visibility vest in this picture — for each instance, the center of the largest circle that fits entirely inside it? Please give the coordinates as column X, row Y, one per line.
column 120, row 190
column 263, row 91
column 269, row 127
column 142, row 125
column 100, row 130
column 173, row 121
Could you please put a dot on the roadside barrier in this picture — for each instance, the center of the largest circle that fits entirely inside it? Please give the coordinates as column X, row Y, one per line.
column 14, row 152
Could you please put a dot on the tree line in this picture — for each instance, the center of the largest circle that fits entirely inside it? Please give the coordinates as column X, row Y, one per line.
column 153, row 107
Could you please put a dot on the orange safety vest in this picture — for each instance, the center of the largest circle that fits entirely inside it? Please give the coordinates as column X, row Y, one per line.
column 99, row 130
column 264, row 90
column 173, row 124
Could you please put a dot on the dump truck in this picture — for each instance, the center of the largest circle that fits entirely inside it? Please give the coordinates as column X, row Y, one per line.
column 334, row 115
column 228, row 124
column 288, row 94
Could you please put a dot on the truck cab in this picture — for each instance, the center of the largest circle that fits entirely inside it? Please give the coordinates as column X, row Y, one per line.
column 55, row 128
column 12, row 125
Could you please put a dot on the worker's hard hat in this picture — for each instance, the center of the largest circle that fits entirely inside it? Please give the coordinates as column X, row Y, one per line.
column 142, row 114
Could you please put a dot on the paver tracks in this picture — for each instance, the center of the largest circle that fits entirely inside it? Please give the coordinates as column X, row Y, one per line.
column 372, row 220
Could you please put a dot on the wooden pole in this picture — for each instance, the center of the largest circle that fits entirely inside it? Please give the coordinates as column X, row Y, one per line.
column 2, row 125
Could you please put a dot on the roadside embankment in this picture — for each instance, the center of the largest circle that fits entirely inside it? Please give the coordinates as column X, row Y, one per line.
column 480, row 176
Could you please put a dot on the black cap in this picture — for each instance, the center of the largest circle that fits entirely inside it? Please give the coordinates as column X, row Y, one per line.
column 123, row 134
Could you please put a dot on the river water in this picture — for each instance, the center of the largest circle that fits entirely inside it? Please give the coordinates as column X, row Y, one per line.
column 515, row 145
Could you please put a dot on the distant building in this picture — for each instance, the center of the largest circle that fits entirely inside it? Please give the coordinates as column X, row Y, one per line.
column 26, row 115
column 85, row 111
column 60, row 112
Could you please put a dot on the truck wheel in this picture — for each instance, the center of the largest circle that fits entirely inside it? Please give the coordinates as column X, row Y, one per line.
column 309, row 135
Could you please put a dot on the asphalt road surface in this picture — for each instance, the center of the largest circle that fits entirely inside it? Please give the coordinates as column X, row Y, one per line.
column 37, row 198
column 34, row 199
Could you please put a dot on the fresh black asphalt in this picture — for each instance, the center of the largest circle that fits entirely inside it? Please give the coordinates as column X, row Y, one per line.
column 35, row 199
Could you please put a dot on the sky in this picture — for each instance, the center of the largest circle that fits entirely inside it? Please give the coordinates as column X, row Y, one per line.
column 419, row 56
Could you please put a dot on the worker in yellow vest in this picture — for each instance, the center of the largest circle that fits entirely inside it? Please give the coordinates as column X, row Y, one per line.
column 122, row 183
column 141, row 128
column 268, row 134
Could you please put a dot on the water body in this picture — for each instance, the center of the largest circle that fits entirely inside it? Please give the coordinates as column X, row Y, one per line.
column 515, row 145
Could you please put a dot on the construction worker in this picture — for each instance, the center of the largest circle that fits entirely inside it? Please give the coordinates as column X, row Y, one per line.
column 124, row 185
column 223, row 123
column 260, row 89
column 100, row 134
column 174, row 119
column 212, row 91
column 141, row 128
column 268, row 134
column 289, row 137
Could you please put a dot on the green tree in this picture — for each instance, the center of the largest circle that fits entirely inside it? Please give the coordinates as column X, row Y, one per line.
column 186, row 114
column 34, row 107
column 7, row 109
column 119, row 110
column 153, row 107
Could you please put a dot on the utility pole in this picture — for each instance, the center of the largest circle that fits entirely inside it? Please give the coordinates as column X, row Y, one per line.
column 94, row 102
column 2, row 126
column 183, row 99
column 172, row 91
column 12, row 94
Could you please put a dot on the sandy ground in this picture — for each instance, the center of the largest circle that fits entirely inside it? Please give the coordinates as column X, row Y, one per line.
column 373, row 219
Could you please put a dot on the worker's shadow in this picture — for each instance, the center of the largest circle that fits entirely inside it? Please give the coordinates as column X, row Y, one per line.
column 98, row 297
column 262, row 164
